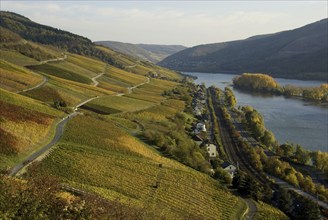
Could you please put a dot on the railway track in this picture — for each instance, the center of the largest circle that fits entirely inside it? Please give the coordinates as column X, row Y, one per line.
column 234, row 155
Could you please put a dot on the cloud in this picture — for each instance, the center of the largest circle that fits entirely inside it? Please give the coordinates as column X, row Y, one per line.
column 168, row 23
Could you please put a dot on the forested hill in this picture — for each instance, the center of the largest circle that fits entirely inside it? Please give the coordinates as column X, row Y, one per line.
column 300, row 53
column 149, row 52
column 43, row 34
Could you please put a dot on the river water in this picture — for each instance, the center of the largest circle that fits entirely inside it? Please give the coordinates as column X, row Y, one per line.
column 290, row 119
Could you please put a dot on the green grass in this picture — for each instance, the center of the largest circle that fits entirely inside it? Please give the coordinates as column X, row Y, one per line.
column 267, row 212
column 126, row 169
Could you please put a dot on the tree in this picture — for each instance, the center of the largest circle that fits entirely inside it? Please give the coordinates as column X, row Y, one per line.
column 268, row 139
column 222, row 176
column 285, row 201
column 301, row 155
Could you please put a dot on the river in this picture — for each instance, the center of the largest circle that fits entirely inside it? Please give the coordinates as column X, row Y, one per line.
column 290, row 119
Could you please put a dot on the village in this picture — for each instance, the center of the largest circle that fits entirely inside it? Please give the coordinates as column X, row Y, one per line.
column 202, row 132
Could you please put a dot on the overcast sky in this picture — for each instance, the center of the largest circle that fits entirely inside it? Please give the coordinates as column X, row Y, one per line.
column 187, row 23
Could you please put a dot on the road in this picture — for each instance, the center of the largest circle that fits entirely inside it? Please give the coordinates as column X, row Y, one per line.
column 252, row 209
column 45, row 79
column 136, row 86
column 284, row 184
column 94, row 79
column 59, row 132
column 53, row 60
column 235, row 155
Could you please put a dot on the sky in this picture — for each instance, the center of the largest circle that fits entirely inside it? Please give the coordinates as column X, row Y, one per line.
column 186, row 23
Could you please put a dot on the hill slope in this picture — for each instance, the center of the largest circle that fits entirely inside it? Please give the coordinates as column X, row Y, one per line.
column 150, row 52
column 299, row 53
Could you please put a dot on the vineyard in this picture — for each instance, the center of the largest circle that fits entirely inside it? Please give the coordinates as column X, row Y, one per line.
column 15, row 78
column 123, row 76
column 119, row 103
column 267, row 212
column 70, row 92
column 87, row 63
column 25, row 125
column 98, row 156
column 17, row 58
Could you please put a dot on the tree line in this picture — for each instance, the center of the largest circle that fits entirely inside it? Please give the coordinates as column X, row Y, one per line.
column 266, row 84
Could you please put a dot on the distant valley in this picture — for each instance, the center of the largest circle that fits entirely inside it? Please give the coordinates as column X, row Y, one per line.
column 300, row 54
column 149, row 52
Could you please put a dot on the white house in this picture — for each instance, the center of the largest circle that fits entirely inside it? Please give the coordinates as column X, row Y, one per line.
column 201, row 127
column 211, row 150
column 231, row 169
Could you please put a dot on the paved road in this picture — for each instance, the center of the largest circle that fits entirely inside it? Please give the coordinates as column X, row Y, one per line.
column 94, row 79
column 252, row 209
column 284, row 184
column 59, row 132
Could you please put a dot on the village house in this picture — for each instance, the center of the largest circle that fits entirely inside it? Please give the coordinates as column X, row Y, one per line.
column 228, row 167
column 200, row 127
column 211, row 150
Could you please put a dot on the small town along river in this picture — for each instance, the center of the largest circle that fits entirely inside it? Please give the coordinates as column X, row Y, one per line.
column 290, row 119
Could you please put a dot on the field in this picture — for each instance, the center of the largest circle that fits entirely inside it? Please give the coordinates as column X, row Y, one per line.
column 15, row 78
column 25, row 125
column 109, row 104
column 90, row 64
column 128, row 170
column 17, row 58
column 123, row 76
column 62, row 72
column 69, row 91
column 267, row 212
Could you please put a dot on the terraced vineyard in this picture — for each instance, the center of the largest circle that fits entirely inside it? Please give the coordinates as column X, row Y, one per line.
column 99, row 147
column 129, row 170
column 15, row 78
column 25, row 125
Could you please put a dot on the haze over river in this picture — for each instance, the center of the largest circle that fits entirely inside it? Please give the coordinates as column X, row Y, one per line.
column 290, row 119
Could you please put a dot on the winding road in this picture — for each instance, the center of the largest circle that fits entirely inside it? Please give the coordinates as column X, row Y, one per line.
column 45, row 79
column 94, row 79
column 59, row 132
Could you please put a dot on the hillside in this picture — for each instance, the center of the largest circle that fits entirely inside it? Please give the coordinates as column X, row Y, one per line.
column 73, row 129
column 149, row 52
column 300, row 53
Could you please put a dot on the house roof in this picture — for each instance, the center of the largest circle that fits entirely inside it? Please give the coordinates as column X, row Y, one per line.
column 225, row 164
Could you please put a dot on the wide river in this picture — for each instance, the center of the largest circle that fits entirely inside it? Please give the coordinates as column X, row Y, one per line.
column 290, row 119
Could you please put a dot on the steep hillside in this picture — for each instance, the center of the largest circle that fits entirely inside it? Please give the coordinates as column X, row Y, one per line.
column 74, row 129
column 299, row 53
column 149, row 52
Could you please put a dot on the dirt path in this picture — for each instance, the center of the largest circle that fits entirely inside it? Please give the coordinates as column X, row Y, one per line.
column 94, row 79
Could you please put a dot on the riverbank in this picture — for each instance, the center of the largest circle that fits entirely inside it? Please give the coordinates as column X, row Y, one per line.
column 290, row 119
